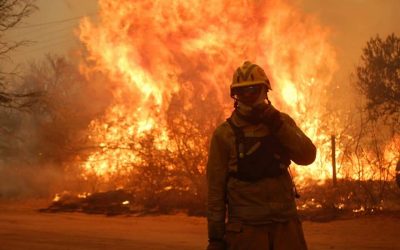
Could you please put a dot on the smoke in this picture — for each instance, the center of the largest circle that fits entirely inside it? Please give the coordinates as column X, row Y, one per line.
column 78, row 5
column 38, row 142
column 353, row 23
column 20, row 181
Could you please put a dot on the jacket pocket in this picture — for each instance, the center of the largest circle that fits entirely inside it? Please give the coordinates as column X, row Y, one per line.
column 233, row 234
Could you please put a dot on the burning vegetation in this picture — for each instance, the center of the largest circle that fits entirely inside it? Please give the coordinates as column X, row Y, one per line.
column 131, row 127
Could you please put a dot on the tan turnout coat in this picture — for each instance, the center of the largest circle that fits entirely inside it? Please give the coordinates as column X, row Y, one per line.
column 251, row 203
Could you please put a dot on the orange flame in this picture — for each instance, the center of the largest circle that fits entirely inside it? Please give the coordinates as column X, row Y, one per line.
column 152, row 49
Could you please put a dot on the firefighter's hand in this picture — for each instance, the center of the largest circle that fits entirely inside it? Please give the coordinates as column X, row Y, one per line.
column 216, row 245
column 269, row 115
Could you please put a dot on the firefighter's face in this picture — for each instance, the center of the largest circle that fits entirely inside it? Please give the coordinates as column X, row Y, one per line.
column 249, row 94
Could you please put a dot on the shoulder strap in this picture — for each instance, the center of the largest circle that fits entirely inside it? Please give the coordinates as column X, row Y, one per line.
column 236, row 130
column 239, row 138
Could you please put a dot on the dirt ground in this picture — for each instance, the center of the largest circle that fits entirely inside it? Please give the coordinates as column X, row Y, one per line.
column 23, row 228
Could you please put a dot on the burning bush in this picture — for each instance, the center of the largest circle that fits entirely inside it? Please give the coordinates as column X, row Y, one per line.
column 138, row 111
column 170, row 88
column 171, row 78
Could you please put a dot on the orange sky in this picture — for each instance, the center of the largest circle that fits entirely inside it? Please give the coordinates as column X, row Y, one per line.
column 352, row 23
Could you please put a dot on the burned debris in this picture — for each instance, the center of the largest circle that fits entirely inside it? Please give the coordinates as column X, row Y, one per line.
column 109, row 203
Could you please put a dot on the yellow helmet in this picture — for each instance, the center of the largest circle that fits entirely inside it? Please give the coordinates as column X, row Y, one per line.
column 249, row 74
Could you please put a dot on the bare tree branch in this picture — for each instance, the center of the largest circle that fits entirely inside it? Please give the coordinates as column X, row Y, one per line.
column 12, row 12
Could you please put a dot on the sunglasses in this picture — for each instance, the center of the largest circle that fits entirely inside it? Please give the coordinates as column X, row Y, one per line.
column 248, row 90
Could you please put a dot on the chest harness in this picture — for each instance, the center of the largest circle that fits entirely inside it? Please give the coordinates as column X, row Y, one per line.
column 258, row 157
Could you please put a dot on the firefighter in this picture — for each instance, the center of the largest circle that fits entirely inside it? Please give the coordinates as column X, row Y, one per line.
column 247, row 171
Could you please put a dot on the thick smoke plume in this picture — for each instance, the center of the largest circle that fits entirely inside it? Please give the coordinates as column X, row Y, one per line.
column 40, row 140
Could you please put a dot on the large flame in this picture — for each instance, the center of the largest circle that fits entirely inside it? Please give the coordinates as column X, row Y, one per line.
column 153, row 49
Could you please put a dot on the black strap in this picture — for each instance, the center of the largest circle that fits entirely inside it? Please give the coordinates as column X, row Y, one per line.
column 236, row 130
column 239, row 138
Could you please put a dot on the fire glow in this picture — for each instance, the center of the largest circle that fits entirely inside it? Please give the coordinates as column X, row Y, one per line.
column 151, row 50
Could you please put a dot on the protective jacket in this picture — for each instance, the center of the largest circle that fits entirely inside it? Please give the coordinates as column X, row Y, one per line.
column 235, row 190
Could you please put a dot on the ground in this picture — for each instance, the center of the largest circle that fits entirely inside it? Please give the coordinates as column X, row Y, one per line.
column 22, row 227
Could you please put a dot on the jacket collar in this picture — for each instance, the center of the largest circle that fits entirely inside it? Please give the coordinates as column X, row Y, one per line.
column 239, row 121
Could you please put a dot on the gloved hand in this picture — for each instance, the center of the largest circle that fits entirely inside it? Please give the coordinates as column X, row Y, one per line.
column 216, row 245
column 269, row 115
